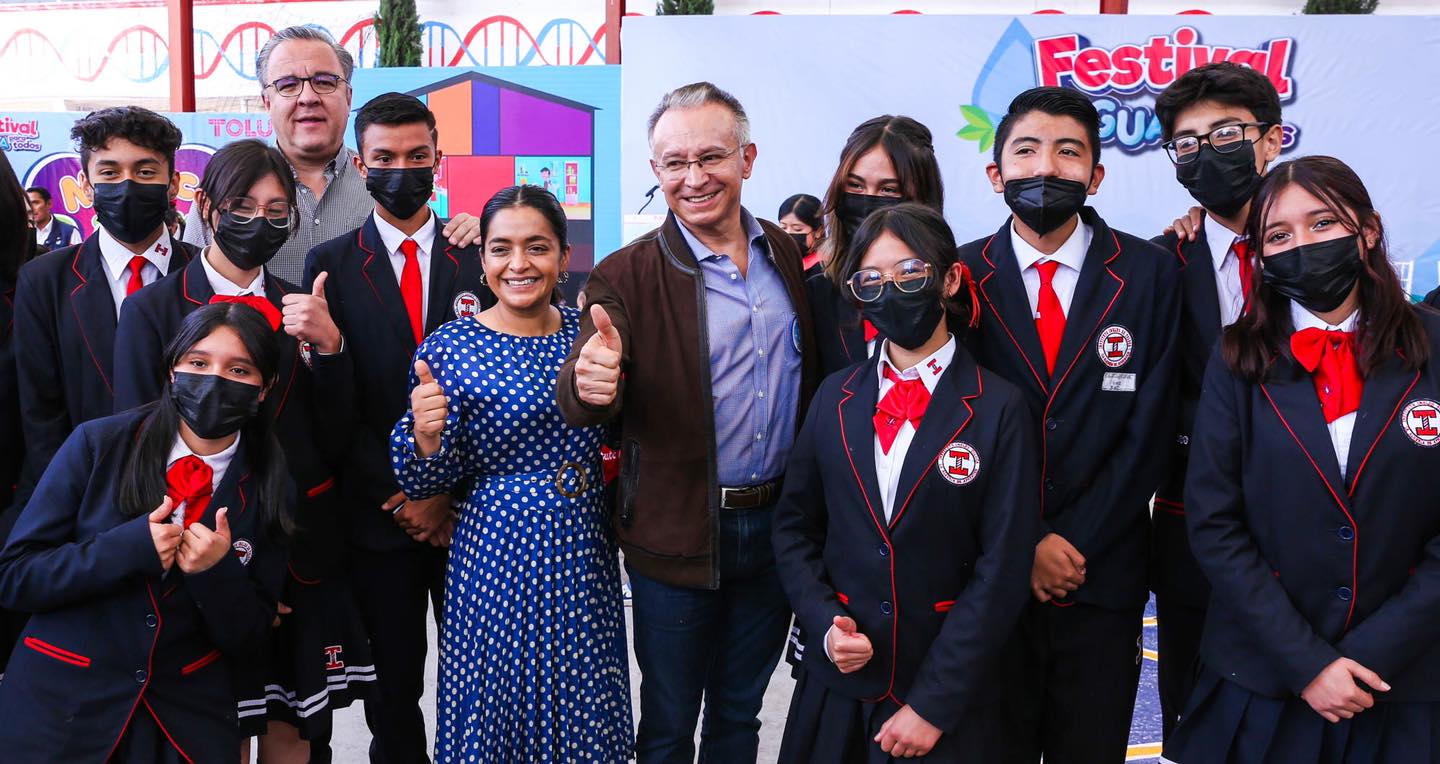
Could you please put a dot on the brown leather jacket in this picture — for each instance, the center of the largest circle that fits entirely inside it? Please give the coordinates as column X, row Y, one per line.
column 666, row 515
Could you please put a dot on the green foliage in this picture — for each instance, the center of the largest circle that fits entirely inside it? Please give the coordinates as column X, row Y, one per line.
column 1340, row 6
column 397, row 27
column 685, row 7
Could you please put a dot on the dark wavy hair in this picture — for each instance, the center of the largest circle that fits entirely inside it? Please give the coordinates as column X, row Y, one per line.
column 922, row 230
column 531, row 197
column 1387, row 324
column 911, row 148
column 142, row 486
column 1224, row 83
column 136, row 124
column 236, row 167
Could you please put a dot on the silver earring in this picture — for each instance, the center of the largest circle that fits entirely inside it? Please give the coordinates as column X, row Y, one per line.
column 564, row 276
column 482, row 280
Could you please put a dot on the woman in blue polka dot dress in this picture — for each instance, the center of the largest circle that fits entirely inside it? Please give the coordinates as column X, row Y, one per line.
column 532, row 650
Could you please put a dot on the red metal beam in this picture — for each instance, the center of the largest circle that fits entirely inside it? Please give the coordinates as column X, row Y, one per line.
column 614, row 12
column 1114, row 6
column 182, row 54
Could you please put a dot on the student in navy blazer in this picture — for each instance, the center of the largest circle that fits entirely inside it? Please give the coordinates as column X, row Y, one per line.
column 251, row 215
column 16, row 246
column 397, row 550
column 906, row 529
column 1305, row 497
column 151, row 560
column 68, row 301
column 1083, row 319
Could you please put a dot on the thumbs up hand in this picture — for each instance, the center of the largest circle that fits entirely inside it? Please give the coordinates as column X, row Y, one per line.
column 307, row 317
column 430, row 408
column 164, row 533
column 201, row 548
column 597, row 372
column 849, row 649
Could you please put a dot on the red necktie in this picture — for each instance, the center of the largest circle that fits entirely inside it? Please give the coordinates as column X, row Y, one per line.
column 1241, row 249
column 1330, row 359
column 906, row 401
column 411, row 290
column 1051, row 320
column 269, row 311
column 870, row 331
column 188, row 482
column 137, row 264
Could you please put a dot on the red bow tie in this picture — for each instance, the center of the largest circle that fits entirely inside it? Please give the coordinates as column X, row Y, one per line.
column 188, row 482
column 1330, row 359
column 270, row 312
column 906, row 401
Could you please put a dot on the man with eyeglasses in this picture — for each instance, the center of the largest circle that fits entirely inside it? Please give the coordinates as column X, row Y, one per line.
column 1221, row 125
column 305, row 86
column 698, row 347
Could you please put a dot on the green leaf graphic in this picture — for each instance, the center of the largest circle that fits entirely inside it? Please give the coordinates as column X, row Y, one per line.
column 976, row 116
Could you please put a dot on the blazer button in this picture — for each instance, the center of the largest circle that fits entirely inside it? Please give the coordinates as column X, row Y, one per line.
column 885, row 608
column 1049, row 484
column 1345, row 533
column 884, row 550
column 141, row 676
column 1051, row 424
column 1343, row 593
column 151, row 620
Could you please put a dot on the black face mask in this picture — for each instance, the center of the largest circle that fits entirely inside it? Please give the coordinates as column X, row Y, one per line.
column 854, row 208
column 802, row 241
column 1316, row 276
column 1222, row 183
column 1044, row 202
column 212, row 405
column 401, row 191
column 907, row 319
column 249, row 245
column 131, row 211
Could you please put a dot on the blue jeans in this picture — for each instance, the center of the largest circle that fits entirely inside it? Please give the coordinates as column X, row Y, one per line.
column 719, row 645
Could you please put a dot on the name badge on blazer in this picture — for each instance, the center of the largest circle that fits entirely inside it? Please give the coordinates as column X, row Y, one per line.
column 959, row 463
column 1118, row 382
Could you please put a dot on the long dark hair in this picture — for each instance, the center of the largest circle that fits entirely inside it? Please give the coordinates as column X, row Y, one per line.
column 142, row 486
column 922, row 230
column 236, row 167
column 1387, row 323
column 535, row 198
column 17, row 240
column 807, row 209
column 911, row 149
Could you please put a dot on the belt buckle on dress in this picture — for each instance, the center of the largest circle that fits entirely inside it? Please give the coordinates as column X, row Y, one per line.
column 571, row 480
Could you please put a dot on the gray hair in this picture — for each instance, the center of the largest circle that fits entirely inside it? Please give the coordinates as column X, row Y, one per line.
column 698, row 94
column 315, row 34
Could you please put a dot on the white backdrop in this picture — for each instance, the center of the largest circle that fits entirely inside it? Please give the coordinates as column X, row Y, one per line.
column 1360, row 88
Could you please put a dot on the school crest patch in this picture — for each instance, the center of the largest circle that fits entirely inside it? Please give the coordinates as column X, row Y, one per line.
column 466, row 304
column 244, row 550
column 1421, row 421
column 1114, row 345
column 959, row 463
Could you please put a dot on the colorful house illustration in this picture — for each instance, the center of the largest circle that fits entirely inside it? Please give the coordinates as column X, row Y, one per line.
column 494, row 134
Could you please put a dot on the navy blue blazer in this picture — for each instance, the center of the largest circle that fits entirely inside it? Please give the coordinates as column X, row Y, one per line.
column 839, row 327
column 311, row 403
column 939, row 587
column 65, row 342
column 110, row 636
column 1107, row 414
column 1307, row 565
column 12, row 441
column 365, row 302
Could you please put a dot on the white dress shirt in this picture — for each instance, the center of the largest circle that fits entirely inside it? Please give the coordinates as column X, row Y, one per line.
column 392, row 237
column 1227, row 270
column 1341, row 429
column 1070, row 255
column 224, row 287
column 117, row 263
column 41, row 234
column 218, row 463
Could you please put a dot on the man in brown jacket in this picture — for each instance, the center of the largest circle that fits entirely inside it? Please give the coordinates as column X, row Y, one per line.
column 698, row 346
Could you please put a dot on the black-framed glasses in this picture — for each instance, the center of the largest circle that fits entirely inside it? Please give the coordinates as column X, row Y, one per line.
column 278, row 214
column 322, row 84
column 1224, row 139
column 909, row 276
column 710, row 162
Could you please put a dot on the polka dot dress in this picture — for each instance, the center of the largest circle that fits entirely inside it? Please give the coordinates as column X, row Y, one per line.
column 532, row 650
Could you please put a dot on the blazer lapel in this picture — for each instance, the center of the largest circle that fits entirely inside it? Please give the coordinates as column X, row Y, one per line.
column 948, row 415
column 94, row 306
column 1385, row 392
column 1003, row 290
column 380, row 275
column 195, row 284
column 444, row 268
column 1202, row 295
column 1095, row 295
column 1292, row 395
column 857, row 431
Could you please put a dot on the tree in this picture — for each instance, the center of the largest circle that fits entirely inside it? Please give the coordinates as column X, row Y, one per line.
column 397, row 30
column 1340, row 6
column 685, row 7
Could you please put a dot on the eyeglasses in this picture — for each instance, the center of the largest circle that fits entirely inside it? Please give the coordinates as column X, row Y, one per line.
column 278, row 214
column 322, row 84
column 909, row 276
column 709, row 163
column 1224, row 139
